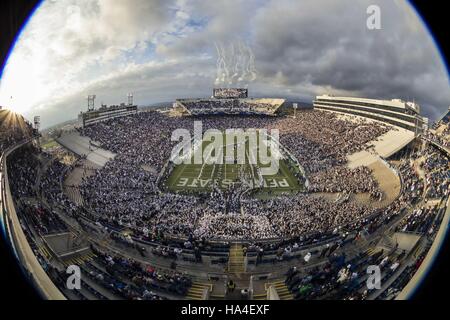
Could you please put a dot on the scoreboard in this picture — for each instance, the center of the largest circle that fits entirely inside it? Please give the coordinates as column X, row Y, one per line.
column 230, row 93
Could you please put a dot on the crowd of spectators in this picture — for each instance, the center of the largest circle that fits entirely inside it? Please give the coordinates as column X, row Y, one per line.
column 440, row 133
column 341, row 277
column 126, row 195
column 22, row 170
column 43, row 220
column 437, row 170
column 229, row 106
column 123, row 194
column 145, row 279
column 343, row 179
column 289, row 216
column 365, row 221
column 419, row 221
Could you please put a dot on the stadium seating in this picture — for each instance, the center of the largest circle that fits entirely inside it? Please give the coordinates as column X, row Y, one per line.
column 230, row 106
column 330, row 244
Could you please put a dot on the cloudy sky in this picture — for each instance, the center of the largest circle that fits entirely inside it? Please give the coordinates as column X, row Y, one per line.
column 165, row 49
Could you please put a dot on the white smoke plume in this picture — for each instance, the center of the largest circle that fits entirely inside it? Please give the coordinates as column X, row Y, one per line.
column 235, row 64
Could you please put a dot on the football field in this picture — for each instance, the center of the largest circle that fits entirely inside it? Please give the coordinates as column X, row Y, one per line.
column 202, row 177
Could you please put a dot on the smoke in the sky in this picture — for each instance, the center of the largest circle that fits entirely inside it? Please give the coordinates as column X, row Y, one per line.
column 235, row 64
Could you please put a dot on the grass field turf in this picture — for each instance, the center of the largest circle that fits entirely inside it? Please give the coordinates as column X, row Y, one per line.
column 201, row 177
column 49, row 144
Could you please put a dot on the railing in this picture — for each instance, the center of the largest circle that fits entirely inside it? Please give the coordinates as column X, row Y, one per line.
column 18, row 241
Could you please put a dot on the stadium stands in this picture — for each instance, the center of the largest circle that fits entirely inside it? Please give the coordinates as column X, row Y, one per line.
column 314, row 244
column 229, row 106
column 396, row 112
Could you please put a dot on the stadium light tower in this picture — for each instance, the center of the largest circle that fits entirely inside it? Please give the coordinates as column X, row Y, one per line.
column 37, row 122
column 295, row 107
column 37, row 126
column 130, row 99
column 91, row 102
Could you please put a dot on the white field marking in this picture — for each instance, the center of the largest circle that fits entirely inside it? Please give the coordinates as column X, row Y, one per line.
column 251, row 166
column 203, row 165
column 200, row 173
column 212, row 171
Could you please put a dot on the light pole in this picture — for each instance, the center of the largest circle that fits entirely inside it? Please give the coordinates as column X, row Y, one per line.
column 37, row 126
column 295, row 107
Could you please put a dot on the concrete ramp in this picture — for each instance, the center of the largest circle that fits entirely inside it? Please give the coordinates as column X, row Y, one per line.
column 384, row 146
column 387, row 178
column 83, row 146
column 361, row 158
column 66, row 244
column 392, row 142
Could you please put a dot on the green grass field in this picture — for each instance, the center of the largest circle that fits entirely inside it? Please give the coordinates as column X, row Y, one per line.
column 49, row 144
column 201, row 177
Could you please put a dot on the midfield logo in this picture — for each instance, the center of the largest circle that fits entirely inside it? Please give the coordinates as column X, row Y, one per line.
column 236, row 146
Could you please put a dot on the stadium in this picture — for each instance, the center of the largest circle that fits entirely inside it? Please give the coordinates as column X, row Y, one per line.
column 359, row 183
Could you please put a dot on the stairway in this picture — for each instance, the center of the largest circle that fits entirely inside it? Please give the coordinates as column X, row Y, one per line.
column 44, row 252
column 196, row 290
column 260, row 296
column 79, row 260
column 236, row 261
column 282, row 290
column 418, row 250
column 371, row 251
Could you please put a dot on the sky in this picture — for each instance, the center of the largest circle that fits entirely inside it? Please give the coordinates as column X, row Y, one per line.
column 161, row 50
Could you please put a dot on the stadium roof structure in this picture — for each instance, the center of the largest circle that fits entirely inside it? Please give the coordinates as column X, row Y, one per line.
column 83, row 146
column 397, row 103
column 445, row 118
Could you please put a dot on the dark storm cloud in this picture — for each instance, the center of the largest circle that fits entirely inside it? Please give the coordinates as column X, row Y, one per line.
column 330, row 49
column 161, row 50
